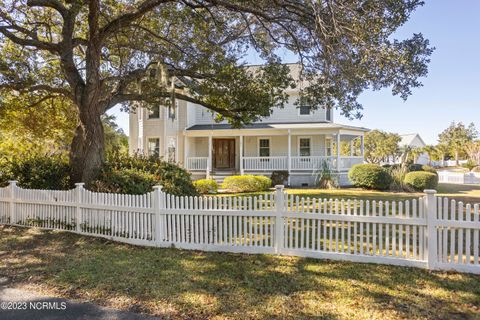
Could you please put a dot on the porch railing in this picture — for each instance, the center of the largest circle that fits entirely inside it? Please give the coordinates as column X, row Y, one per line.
column 348, row 162
column 197, row 163
column 265, row 163
column 310, row 163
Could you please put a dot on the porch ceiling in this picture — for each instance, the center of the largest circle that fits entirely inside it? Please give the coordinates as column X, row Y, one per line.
column 278, row 128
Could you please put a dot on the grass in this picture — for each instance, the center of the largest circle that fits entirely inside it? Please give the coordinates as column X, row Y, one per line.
column 465, row 193
column 181, row 284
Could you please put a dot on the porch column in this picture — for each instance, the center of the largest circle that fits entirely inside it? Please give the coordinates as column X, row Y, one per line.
column 289, row 155
column 338, row 151
column 351, row 148
column 209, row 161
column 362, row 146
column 241, row 155
column 185, row 151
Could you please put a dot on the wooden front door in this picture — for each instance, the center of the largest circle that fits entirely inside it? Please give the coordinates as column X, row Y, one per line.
column 224, row 154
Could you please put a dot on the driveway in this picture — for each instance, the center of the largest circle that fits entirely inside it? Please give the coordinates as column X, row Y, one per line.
column 19, row 304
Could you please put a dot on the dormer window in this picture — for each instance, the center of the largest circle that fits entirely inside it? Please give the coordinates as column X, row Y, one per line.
column 154, row 112
column 329, row 114
column 305, row 110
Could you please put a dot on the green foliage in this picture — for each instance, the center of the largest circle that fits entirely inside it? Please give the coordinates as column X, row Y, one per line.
column 279, row 177
column 380, row 145
column 124, row 180
column 456, row 137
column 116, row 141
column 206, row 186
column 325, row 179
column 370, row 176
column 175, row 180
column 421, row 180
column 246, row 183
column 398, row 174
column 476, row 169
column 37, row 172
column 470, row 164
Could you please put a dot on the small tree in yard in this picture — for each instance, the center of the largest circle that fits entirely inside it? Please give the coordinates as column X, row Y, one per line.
column 380, row 145
column 457, row 136
column 98, row 54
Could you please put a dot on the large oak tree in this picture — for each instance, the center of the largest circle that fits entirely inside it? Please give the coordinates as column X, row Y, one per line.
column 101, row 53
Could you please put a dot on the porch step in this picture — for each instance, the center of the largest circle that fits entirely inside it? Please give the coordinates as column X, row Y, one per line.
column 219, row 178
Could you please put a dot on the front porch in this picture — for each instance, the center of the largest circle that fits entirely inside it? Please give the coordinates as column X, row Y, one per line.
column 300, row 151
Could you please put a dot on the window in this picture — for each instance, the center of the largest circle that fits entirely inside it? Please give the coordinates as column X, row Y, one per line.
column 304, row 110
column 328, row 147
column 304, row 147
column 154, row 112
column 264, row 147
column 172, row 111
column 154, row 147
column 329, row 114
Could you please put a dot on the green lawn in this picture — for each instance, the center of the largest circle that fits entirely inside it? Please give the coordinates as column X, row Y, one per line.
column 194, row 285
column 466, row 193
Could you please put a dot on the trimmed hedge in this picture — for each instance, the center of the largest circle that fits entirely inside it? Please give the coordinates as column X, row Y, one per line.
column 370, row 176
column 476, row 169
column 420, row 167
column 128, row 181
column 206, row 186
column 37, row 172
column 421, row 180
column 246, row 183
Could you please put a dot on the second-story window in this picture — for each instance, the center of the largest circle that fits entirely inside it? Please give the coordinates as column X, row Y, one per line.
column 305, row 110
column 264, row 147
column 329, row 114
column 172, row 111
column 304, row 147
column 154, row 112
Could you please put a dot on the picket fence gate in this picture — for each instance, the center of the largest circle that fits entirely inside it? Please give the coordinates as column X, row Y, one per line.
column 429, row 232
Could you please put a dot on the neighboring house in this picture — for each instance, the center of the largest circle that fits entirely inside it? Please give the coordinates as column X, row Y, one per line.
column 414, row 141
column 294, row 139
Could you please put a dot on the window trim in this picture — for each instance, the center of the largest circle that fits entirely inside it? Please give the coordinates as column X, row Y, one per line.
column 305, row 115
column 148, row 145
column 298, row 145
column 269, row 145
column 328, row 146
column 155, row 118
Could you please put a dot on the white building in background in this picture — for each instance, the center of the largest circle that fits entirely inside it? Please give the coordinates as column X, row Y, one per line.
column 414, row 141
column 294, row 139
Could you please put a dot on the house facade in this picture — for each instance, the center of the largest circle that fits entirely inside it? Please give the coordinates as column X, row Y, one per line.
column 414, row 141
column 296, row 139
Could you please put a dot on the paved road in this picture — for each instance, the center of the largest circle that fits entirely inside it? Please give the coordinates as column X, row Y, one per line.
column 36, row 307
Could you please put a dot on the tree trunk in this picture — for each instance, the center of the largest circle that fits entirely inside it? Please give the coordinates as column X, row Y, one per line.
column 87, row 149
column 456, row 157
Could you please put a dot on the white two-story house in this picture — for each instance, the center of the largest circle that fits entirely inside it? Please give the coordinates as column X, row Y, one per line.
column 296, row 139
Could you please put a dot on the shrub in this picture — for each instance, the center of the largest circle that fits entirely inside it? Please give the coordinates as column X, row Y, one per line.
column 37, row 172
column 325, row 179
column 206, row 186
column 415, row 167
column 246, row 183
column 476, row 169
column 279, row 177
column 122, row 180
column 470, row 164
column 175, row 180
column 420, row 180
column 370, row 176
column 398, row 176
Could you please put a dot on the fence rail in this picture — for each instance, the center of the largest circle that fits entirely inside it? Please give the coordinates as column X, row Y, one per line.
column 428, row 232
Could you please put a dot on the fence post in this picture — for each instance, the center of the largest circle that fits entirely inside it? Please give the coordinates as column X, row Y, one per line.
column 158, row 206
column 78, row 212
column 13, row 187
column 431, row 245
column 279, row 208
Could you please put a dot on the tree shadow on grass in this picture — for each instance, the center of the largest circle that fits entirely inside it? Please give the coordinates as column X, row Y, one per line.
column 191, row 284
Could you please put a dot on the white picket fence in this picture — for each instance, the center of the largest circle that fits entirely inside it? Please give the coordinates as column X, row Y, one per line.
column 459, row 177
column 429, row 232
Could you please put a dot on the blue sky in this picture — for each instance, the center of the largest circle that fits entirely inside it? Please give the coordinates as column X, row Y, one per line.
column 451, row 89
